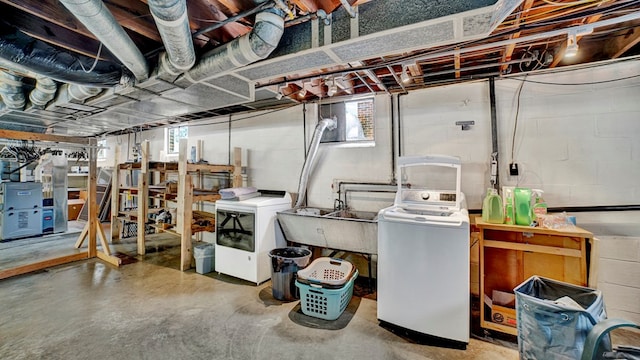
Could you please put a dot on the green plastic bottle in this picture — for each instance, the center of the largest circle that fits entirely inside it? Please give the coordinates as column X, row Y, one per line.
column 522, row 205
column 507, row 192
column 492, row 211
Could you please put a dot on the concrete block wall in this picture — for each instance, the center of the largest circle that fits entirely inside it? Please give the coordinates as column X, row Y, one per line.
column 577, row 142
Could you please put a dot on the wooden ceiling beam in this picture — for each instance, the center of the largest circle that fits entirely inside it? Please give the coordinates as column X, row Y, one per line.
column 623, row 40
column 307, row 6
column 509, row 49
column 456, row 63
column 21, row 135
column 560, row 55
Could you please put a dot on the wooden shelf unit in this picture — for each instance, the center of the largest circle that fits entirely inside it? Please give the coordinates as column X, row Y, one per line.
column 185, row 197
column 510, row 254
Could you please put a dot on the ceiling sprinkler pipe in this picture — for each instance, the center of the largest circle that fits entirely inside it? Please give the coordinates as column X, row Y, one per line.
column 311, row 156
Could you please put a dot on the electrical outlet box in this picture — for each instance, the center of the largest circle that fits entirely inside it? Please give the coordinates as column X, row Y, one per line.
column 513, row 169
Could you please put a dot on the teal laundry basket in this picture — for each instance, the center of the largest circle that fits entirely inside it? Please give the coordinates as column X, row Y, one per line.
column 552, row 329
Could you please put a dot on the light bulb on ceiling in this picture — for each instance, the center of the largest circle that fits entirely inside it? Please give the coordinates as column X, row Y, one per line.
column 405, row 77
column 302, row 93
column 279, row 96
column 332, row 88
column 572, row 45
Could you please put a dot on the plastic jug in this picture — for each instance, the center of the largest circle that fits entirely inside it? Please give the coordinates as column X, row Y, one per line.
column 492, row 211
column 522, row 206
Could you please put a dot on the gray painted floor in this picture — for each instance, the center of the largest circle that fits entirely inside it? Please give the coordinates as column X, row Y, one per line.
column 147, row 309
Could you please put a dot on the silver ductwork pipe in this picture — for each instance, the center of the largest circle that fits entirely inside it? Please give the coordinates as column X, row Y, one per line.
column 11, row 90
column 95, row 16
column 44, row 92
column 173, row 24
column 249, row 48
column 311, row 157
column 81, row 93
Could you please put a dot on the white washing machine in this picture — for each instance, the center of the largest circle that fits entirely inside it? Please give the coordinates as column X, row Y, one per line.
column 423, row 254
column 246, row 231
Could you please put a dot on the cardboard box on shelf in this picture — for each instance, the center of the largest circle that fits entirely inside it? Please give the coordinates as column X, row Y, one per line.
column 502, row 305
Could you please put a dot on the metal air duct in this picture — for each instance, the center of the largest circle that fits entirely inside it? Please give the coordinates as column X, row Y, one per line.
column 11, row 90
column 249, row 48
column 311, row 156
column 44, row 92
column 95, row 16
column 173, row 24
column 81, row 92
column 25, row 54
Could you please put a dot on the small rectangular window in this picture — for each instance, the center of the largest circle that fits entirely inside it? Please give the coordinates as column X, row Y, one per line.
column 173, row 138
column 356, row 121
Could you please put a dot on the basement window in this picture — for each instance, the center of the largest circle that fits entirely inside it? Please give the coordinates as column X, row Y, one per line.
column 173, row 136
column 356, row 122
column 102, row 150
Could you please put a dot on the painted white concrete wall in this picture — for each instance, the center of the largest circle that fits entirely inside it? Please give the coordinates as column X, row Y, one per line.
column 577, row 142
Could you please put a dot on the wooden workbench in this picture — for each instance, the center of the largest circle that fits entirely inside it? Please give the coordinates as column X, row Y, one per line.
column 510, row 254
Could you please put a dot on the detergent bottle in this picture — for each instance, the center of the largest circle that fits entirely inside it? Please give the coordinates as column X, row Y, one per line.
column 507, row 192
column 492, row 211
column 539, row 206
column 522, row 206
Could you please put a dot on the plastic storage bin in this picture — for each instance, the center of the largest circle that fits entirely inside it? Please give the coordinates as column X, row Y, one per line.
column 549, row 325
column 325, row 303
column 204, row 256
column 285, row 263
column 329, row 272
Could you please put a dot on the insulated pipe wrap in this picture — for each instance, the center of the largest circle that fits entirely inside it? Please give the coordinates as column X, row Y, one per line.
column 11, row 90
column 310, row 160
column 81, row 93
column 173, row 24
column 95, row 16
column 44, row 91
column 25, row 54
column 249, row 48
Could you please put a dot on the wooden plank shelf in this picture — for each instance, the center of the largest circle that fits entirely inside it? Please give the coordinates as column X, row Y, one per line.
column 510, row 254
column 188, row 221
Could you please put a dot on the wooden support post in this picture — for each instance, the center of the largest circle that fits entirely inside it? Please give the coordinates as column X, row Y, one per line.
column 237, row 167
column 185, row 207
column 93, row 203
column 143, row 195
column 186, row 245
column 115, row 198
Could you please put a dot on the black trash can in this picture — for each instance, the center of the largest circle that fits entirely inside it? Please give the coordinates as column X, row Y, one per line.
column 285, row 263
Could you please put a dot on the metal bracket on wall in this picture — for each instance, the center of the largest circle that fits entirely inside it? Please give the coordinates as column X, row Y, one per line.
column 466, row 125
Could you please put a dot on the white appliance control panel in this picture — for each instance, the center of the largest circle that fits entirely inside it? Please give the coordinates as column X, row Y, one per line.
column 427, row 197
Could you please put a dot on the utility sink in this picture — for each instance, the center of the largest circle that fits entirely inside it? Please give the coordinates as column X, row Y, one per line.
column 353, row 231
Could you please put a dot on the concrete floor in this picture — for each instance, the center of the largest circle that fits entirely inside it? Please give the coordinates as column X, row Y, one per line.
column 147, row 309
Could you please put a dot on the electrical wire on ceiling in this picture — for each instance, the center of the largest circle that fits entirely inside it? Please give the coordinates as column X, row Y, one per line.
column 95, row 61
